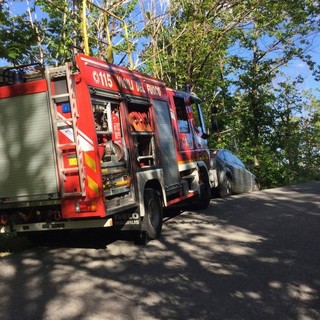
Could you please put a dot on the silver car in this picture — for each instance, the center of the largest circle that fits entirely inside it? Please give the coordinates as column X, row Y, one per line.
column 233, row 176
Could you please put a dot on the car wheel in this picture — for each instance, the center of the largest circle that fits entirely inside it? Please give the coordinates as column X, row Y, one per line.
column 226, row 187
column 256, row 186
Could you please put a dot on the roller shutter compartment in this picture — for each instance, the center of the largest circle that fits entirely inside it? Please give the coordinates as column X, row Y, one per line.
column 27, row 156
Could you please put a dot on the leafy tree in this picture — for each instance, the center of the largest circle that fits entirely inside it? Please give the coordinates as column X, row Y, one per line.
column 57, row 34
column 17, row 37
column 310, row 138
column 276, row 33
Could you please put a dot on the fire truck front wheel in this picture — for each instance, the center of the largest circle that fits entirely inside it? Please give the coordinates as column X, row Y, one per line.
column 152, row 220
column 204, row 198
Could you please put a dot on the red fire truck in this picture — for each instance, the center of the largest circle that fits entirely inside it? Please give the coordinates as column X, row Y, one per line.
column 93, row 145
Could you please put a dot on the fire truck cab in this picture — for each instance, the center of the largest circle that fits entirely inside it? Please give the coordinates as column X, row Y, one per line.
column 92, row 145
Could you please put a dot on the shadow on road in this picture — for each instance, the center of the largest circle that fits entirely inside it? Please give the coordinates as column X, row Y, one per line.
column 253, row 256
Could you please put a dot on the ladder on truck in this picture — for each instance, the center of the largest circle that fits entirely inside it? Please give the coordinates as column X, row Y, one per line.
column 66, row 94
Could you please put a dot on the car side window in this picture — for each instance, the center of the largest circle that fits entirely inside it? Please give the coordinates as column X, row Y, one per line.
column 239, row 162
column 182, row 115
column 222, row 155
column 228, row 156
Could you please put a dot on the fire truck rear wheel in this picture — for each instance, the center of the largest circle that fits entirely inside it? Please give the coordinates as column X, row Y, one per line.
column 152, row 221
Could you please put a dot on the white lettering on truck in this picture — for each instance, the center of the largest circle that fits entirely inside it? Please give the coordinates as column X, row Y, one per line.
column 154, row 90
column 105, row 79
column 102, row 78
column 125, row 83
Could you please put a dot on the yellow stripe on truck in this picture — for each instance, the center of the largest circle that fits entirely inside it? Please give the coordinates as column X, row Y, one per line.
column 93, row 185
column 90, row 162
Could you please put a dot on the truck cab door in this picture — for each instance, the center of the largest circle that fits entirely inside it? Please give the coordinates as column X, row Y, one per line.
column 185, row 135
column 197, row 124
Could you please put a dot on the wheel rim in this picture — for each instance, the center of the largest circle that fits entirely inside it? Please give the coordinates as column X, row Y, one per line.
column 228, row 187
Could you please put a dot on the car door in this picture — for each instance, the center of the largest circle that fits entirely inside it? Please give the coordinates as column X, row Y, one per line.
column 237, row 173
column 223, row 165
column 231, row 168
column 245, row 175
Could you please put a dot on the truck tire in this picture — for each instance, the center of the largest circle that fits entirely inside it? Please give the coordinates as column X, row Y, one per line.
column 152, row 221
column 205, row 195
column 204, row 198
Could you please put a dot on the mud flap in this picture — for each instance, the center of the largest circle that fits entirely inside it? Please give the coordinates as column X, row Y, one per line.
column 128, row 221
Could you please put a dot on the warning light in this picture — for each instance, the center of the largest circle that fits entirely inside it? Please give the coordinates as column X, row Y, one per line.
column 66, row 107
column 85, row 206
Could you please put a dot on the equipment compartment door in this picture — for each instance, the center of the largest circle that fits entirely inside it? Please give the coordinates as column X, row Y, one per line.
column 167, row 145
column 27, row 157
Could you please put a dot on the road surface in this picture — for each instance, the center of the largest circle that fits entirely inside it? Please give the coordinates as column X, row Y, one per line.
column 254, row 256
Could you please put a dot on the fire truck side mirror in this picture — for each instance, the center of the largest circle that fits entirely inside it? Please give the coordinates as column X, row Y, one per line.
column 214, row 124
column 214, row 121
column 205, row 136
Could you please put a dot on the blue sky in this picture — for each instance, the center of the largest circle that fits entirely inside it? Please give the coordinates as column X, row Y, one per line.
column 298, row 67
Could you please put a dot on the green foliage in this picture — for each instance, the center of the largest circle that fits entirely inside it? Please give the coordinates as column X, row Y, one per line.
column 54, row 35
column 265, row 120
column 17, row 38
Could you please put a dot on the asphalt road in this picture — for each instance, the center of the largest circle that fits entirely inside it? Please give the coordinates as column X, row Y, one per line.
column 253, row 256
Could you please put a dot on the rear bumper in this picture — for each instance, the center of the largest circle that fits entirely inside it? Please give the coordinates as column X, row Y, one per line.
column 61, row 225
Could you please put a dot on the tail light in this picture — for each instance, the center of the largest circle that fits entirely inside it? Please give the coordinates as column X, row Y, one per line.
column 85, row 206
column 4, row 219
